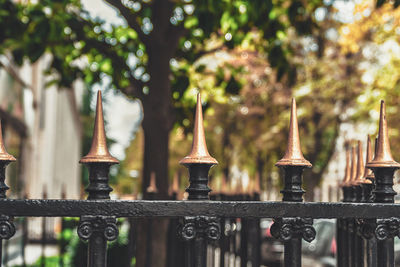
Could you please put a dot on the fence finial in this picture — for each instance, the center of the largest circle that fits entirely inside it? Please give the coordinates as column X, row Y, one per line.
column 4, row 156
column 224, row 188
column 353, row 168
column 199, row 153
column 347, row 174
column 257, row 187
column 360, row 179
column 293, row 155
column 152, row 188
column 175, row 184
column 99, row 152
column 368, row 174
column 383, row 156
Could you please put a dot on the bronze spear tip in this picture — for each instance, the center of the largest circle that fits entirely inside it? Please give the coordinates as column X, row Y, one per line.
column 199, row 153
column 152, row 188
column 99, row 152
column 257, row 187
column 224, row 189
column 347, row 176
column 383, row 156
column 353, row 168
column 368, row 174
column 175, row 184
column 4, row 156
column 293, row 155
column 360, row 179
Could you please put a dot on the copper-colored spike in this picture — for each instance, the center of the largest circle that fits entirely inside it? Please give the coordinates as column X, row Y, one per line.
column 224, row 188
column 63, row 191
column 250, row 186
column 353, row 167
column 239, row 187
column 152, row 188
column 368, row 174
column 199, row 153
column 175, row 184
column 360, row 179
column 347, row 176
column 293, row 155
column 44, row 193
column 99, row 152
column 383, row 156
column 4, row 156
column 257, row 187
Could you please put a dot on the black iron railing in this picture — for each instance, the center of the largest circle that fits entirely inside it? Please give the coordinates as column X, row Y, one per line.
column 367, row 217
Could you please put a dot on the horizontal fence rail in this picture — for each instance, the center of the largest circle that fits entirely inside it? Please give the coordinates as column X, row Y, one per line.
column 171, row 208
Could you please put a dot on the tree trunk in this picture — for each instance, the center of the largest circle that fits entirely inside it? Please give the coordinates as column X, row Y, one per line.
column 157, row 123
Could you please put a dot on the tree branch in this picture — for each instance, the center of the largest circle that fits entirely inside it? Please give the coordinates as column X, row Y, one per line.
column 135, row 87
column 130, row 18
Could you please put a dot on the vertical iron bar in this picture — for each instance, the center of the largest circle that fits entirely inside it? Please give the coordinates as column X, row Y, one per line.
column 371, row 245
column 293, row 253
column 384, row 193
column 351, row 232
column 243, row 238
column 198, row 190
column 358, row 241
column 149, row 234
column 24, row 240
column 98, row 189
column 340, row 246
column 43, row 236
column 43, row 243
column 5, row 159
column 293, row 192
column 344, row 246
column 5, row 252
column 254, row 238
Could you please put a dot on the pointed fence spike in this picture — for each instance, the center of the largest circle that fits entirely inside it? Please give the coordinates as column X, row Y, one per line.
column 152, row 188
column 353, row 167
column 4, row 156
column 293, row 155
column 383, row 156
column 99, row 152
column 257, row 187
column 199, row 153
column 347, row 176
column 368, row 173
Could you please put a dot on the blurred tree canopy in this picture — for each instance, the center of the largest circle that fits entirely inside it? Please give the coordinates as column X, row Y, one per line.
column 148, row 57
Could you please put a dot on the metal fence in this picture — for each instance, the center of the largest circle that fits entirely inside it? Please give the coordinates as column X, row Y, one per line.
column 367, row 218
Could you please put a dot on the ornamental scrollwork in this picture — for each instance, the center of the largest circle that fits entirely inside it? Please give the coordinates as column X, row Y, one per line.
column 366, row 227
column 288, row 228
column 382, row 229
column 106, row 226
column 7, row 227
column 387, row 228
column 200, row 226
